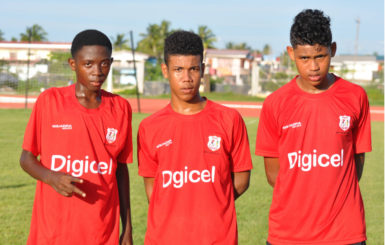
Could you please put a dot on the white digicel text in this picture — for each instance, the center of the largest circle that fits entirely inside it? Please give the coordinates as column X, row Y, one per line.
column 79, row 166
column 179, row 178
column 305, row 162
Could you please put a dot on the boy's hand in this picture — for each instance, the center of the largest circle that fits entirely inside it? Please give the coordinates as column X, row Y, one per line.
column 64, row 184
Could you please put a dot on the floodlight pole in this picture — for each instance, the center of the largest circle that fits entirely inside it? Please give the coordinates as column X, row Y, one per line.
column 136, row 79
column 28, row 64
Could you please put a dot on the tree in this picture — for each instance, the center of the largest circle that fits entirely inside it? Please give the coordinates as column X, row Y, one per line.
column 120, row 42
column 36, row 33
column 153, row 41
column 240, row 46
column 266, row 49
column 208, row 37
column 1, row 36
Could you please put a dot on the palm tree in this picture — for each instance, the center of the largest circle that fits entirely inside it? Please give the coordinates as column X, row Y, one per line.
column 1, row 36
column 153, row 41
column 240, row 46
column 120, row 42
column 266, row 49
column 36, row 33
column 208, row 37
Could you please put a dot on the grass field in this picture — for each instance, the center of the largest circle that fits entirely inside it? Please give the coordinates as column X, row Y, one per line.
column 17, row 188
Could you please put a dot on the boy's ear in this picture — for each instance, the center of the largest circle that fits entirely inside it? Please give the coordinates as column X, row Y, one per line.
column 333, row 49
column 203, row 66
column 164, row 70
column 290, row 51
column 71, row 62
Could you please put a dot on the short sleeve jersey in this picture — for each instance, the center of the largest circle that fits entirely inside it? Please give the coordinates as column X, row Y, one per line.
column 191, row 158
column 86, row 143
column 316, row 198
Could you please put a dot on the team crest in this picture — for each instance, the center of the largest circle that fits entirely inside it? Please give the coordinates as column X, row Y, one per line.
column 344, row 122
column 214, row 143
column 111, row 135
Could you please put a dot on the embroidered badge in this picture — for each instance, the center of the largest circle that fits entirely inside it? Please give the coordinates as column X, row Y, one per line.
column 214, row 143
column 344, row 122
column 111, row 135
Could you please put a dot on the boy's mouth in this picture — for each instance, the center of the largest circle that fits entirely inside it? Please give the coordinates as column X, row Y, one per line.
column 314, row 78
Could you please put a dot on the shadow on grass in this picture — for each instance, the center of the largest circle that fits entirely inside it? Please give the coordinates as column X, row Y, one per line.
column 12, row 186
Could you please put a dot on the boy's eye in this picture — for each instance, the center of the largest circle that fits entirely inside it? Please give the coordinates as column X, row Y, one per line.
column 178, row 69
column 105, row 63
column 195, row 68
column 88, row 64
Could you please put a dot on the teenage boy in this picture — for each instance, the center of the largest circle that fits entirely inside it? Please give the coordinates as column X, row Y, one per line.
column 194, row 156
column 313, row 134
column 83, row 137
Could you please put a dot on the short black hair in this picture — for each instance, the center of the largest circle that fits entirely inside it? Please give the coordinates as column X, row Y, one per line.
column 183, row 43
column 311, row 27
column 90, row 37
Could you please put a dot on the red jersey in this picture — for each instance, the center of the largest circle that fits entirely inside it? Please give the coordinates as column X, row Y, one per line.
column 316, row 198
column 86, row 143
column 191, row 158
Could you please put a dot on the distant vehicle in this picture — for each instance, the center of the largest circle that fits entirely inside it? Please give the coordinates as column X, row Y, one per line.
column 8, row 80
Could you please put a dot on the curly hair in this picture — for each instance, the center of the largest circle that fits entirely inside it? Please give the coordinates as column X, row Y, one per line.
column 183, row 43
column 311, row 27
column 90, row 37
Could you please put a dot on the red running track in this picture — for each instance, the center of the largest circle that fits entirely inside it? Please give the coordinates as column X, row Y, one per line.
column 247, row 109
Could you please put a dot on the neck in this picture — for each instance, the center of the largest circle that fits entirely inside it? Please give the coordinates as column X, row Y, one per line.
column 87, row 98
column 188, row 108
column 319, row 88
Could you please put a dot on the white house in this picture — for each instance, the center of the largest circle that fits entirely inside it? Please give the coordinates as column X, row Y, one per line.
column 16, row 53
column 124, row 63
column 356, row 68
column 229, row 63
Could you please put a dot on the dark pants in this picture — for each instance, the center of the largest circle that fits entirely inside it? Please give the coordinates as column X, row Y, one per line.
column 358, row 243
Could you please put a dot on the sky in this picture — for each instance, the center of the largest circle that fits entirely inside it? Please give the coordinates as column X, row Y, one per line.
column 254, row 22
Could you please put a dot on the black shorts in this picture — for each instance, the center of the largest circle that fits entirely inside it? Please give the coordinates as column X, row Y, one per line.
column 358, row 243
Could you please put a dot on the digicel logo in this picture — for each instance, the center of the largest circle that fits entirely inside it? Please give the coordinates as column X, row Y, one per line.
column 179, row 178
column 79, row 166
column 306, row 161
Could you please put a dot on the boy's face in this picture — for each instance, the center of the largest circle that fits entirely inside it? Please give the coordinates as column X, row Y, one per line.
column 91, row 65
column 184, row 73
column 312, row 63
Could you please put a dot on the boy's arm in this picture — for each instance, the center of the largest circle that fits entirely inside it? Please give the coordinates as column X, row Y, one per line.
column 148, row 185
column 271, row 169
column 359, row 161
column 63, row 183
column 123, row 180
column 241, row 182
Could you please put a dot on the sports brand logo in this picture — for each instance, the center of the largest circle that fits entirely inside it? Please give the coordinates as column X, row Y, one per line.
column 344, row 122
column 111, row 135
column 166, row 143
column 214, row 143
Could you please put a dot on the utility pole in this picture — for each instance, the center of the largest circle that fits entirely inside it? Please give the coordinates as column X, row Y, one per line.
column 357, row 35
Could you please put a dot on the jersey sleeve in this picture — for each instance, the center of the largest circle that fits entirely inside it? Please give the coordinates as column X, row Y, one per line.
column 362, row 132
column 240, row 151
column 267, row 133
column 147, row 165
column 32, row 135
column 125, row 155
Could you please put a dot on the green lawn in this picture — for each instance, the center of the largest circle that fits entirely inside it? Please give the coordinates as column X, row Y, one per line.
column 17, row 188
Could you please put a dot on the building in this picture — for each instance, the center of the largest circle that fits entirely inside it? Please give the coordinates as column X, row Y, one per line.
column 232, row 65
column 355, row 68
column 15, row 54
